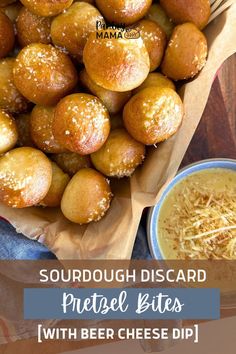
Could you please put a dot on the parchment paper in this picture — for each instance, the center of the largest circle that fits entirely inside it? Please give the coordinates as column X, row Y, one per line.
column 113, row 237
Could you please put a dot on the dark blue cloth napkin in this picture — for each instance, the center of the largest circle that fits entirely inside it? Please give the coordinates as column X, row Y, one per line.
column 16, row 246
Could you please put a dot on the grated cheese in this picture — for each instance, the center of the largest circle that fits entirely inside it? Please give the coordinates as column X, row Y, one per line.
column 202, row 222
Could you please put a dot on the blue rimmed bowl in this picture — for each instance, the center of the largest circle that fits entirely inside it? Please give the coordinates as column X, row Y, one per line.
column 153, row 215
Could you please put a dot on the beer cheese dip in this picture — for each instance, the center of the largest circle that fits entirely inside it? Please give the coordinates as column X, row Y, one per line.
column 197, row 219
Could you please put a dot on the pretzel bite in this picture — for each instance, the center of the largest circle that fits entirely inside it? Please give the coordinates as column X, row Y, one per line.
column 87, row 197
column 56, row 190
column 153, row 115
column 12, row 10
column 39, row 28
column 81, row 123
column 7, row 36
column 116, row 63
column 8, row 132
column 157, row 14
column 181, row 11
column 119, row 156
column 114, row 101
column 44, row 74
column 41, row 122
column 186, row 53
column 23, row 128
column 11, row 99
column 70, row 162
column 154, row 39
column 123, row 11
column 47, row 7
column 155, row 80
column 25, row 177
column 92, row 2
column 71, row 29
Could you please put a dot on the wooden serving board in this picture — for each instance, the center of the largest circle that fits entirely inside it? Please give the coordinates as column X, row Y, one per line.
column 216, row 133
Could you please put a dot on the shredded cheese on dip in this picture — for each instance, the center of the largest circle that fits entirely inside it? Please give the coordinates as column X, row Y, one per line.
column 198, row 217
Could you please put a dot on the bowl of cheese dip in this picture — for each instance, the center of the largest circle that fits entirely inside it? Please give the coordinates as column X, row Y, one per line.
column 196, row 216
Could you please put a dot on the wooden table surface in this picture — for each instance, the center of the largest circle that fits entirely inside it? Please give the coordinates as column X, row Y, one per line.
column 216, row 133
column 215, row 137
